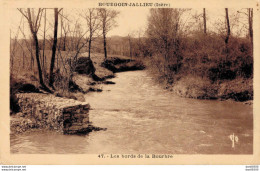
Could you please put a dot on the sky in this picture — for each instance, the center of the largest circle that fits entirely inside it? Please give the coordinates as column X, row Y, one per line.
column 130, row 20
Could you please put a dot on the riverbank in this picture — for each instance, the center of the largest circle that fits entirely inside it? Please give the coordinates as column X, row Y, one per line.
column 89, row 75
column 239, row 90
column 101, row 69
column 193, row 86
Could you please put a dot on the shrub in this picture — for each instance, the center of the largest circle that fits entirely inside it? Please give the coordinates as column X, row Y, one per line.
column 195, row 87
column 205, row 64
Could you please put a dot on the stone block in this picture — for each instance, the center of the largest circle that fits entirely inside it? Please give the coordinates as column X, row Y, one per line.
column 52, row 111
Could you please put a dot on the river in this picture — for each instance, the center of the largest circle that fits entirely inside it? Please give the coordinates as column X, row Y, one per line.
column 141, row 117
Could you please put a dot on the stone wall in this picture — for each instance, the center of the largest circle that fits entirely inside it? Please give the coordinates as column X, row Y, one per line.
column 65, row 115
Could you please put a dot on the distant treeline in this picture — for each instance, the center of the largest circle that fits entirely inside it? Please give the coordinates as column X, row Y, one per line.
column 116, row 45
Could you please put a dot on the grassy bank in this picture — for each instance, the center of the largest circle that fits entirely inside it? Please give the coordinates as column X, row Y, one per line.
column 24, row 73
column 72, row 79
column 207, row 69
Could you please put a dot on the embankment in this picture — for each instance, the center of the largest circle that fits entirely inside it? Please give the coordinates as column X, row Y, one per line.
column 188, row 84
column 119, row 65
column 31, row 107
column 92, row 79
column 239, row 89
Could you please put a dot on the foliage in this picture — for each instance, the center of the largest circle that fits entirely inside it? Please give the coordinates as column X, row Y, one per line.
column 197, row 65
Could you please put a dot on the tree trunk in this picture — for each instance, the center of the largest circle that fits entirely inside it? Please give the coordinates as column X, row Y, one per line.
column 105, row 45
column 43, row 46
column 34, row 34
column 32, row 60
column 228, row 33
column 228, row 26
column 61, row 26
column 250, row 23
column 64, row 42
column 23, row 59
column 90, row 33
column 65, row 34
column 54, row 46
column 204, row 21
column 39, row 64
column 37, row 54
column 89, row 47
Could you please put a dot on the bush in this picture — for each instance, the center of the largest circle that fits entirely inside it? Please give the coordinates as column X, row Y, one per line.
column 85, row 66
column 204, row 63
column 207, row 56
column 240, row 89
column 195, row 87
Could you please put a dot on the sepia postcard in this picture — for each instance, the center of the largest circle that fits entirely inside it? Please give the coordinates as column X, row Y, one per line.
column 130, row 82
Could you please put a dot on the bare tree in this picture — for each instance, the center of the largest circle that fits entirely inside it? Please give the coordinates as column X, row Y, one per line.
column 107, row 18
column 249, row 15
column 34, row 25
column 78, row 41
column 93, row 23
column 27, row 44
column 140, row 43
column 164, row 32
column 64, row 28
column 13, row 45
column 54, row 46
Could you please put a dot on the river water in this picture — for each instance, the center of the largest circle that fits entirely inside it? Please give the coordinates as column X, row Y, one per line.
column 141, row 117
